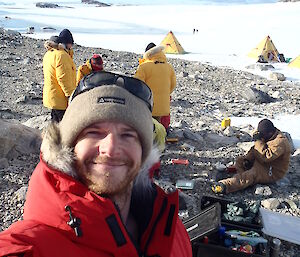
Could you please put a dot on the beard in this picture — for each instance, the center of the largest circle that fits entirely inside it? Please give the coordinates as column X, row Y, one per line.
column 108, row 182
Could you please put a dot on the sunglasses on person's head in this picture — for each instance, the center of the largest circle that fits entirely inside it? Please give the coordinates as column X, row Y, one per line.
column 135, row 86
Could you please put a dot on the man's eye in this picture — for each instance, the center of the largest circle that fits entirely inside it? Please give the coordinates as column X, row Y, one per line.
column 94, row 133
column 129, row 135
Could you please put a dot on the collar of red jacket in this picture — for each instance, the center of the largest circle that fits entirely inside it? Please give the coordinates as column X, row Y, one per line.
column 50, row 191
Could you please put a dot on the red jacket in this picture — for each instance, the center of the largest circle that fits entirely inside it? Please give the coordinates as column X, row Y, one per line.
column 45, row 230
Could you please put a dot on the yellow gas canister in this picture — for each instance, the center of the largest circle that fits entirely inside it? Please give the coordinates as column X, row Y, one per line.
column 225, row 123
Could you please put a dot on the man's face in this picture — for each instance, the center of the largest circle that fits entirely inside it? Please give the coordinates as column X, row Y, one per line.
column 108, row 157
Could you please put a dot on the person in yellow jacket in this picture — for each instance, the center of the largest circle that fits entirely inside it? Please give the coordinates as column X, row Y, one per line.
column 266, row 162
column 159, row 135
column 91, row 65
column 59, row 73
column 160, row 76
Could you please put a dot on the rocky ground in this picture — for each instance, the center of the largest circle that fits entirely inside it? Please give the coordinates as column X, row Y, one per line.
column 203, row 97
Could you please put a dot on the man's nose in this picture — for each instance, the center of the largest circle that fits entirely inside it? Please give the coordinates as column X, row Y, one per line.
column 109, row 145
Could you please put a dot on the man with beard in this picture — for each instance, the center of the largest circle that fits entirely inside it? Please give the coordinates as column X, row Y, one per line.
column 91, row 195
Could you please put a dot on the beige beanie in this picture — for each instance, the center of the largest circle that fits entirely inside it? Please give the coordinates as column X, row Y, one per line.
column 107, row 103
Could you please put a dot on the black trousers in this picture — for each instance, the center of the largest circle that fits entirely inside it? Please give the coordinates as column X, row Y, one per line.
column 57, row 115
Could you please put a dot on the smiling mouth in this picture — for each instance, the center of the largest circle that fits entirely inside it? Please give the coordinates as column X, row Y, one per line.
column 110, row 163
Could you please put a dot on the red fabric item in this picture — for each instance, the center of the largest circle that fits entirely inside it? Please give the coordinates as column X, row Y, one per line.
column 154, row 170
column 165, row 121
column 44, row 232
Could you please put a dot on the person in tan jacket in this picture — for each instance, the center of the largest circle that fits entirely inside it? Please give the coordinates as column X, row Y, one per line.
column 59, row 73
column 92, row 65
column 160, row 76
column 266, row 162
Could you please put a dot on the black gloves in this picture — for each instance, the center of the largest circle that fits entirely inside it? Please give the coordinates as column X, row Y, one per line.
column 247, row 164
column 256, row 136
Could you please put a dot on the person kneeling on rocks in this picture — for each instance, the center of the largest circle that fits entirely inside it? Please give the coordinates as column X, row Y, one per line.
column 91, row 195
column 266, row 162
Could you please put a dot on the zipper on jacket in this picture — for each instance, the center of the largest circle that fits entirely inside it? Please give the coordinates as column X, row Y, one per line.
column 135, row 244
column 162, row 209
column 74, row 222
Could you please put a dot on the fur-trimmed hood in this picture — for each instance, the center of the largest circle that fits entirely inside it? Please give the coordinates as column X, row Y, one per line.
column 49, row 45
column 154, row 51
column 62, row 158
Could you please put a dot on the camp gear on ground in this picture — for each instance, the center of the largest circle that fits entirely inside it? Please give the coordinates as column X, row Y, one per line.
column 275, row 247
column 279, row 225
column 253, row 224
column 185, row 184
column 225, row 123
column 180, row 161
column 251, row 237
column 204, row 222
column 171, row 44
column 242, row 212
column 133, row 85
column 172, row 139
column 218, row 188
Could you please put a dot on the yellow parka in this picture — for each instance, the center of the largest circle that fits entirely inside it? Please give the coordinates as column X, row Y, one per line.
column 83, row 70
column 160, row 77
column 59, row 76
column 159, row 135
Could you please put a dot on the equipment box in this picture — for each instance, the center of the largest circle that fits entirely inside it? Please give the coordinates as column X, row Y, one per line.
column 205, row 222
column 215, row 245
column 211, row 237
column 209, row 250
column 252, row 223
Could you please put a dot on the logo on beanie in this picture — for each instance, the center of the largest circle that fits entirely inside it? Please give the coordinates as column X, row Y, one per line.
column 110, row 99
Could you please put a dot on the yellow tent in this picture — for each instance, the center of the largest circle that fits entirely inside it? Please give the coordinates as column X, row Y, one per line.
column 295, row 63
column 266, row 49
column 171, row 44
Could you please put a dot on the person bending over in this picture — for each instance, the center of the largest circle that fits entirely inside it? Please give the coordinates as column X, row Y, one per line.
column 266, row 162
